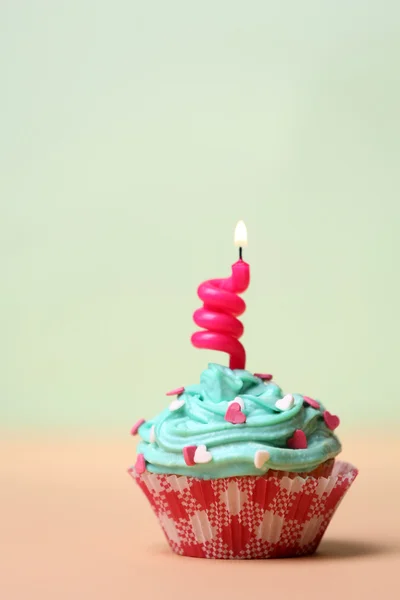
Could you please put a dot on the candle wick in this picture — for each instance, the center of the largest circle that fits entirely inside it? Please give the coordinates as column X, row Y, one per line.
column 240, row 252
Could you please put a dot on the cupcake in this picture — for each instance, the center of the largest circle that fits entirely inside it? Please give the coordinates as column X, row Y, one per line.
column 233, row 467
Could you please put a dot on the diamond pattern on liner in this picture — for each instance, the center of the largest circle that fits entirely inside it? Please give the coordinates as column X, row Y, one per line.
column 245, row 517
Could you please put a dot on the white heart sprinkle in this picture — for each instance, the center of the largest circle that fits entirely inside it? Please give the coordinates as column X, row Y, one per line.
column 261, row 457
column 285, row 403
column 176, row 404
column 152, row 435
column 202, row 455
column 237, row 400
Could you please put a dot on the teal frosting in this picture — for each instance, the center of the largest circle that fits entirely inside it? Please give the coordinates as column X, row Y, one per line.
column 200, row 421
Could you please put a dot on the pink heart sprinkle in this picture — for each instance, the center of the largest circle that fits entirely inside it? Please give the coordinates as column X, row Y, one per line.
column 176, row 392
column 188, row 455
column 311, row 402
column 136, row 426
column 264, row 376
column 298, row 441
column 234, row 414
column 140, row 465
column 332, row 421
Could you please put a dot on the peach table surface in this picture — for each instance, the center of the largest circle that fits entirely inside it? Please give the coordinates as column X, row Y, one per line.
column 73, row 525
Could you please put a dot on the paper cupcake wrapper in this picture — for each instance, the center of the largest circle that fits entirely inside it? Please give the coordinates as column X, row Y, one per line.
column 270, row 516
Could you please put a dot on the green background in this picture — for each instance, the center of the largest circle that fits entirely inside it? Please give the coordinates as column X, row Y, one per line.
column 133, row 136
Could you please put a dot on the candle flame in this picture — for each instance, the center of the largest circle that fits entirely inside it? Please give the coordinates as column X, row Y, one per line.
column 240, row 235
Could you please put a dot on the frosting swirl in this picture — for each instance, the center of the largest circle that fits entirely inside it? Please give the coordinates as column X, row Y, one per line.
column 201, row 421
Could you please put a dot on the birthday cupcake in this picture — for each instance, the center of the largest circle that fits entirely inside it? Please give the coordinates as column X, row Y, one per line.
column 233, row 467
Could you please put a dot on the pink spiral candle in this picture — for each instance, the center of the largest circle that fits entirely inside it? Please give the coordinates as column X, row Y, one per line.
column 221, row 306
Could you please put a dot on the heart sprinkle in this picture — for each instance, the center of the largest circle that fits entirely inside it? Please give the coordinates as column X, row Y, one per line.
column 314, row 403
column 176, row 392
column 136, row 426
column 264, row 376
column 201, row 455
column 176, row 405
column 152, row 434
column 285, row 403
column 188, row 455
column 298, row 441
column 261, row 457
column 332, row 421
column 234, row 414
column 238, row 400
column 140, row 465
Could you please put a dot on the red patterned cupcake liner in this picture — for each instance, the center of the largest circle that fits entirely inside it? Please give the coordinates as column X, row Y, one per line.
column 270, row 516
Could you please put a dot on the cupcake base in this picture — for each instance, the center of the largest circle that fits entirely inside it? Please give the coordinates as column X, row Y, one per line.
column 272, row 516
column 323, row 470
